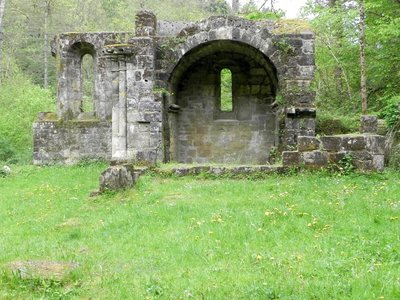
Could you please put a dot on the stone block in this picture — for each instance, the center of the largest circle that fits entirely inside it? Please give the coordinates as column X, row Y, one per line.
column 291, row 158
column 44, row 270
column 362, row 155
column 331, row 143
column 376, row 144
column 369, row 124
column 315, row 159
column 378, row 162
column 116, row 178
column 307, row 143
column 353, row 142
column 335, row 157
column 292, row 123
column 307, row 124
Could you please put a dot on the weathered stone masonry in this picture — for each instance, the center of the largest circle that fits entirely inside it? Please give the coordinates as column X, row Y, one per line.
column 157, row 93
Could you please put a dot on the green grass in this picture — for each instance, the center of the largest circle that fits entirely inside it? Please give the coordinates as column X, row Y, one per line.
column 305, row 236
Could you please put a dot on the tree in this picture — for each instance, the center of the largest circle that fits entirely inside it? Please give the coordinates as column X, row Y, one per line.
column 2, row 9
column 235, row 7
column 271, row 5
column 363, row 67
column 47, row 7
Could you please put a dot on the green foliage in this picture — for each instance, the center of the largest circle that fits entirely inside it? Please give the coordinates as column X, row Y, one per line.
column 391, row 112
column 337, row 53
column 178, row 238
column 20, row 102
column 337, row 74
column 284, row 46
column 264, row 15
column 329, row 124
column 394, row 159
column 218, row 7
column 7, row 152
column 43, row 288
column 346, row 165
column 226, row 90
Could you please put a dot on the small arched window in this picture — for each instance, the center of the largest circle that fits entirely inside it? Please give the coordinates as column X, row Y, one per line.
column 87, row 73
column 226, row 103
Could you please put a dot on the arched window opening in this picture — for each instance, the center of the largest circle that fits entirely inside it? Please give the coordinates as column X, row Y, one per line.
column 87, row 73
column 226, row 103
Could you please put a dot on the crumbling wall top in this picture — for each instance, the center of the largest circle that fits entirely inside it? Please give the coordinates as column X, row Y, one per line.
column 145, row 23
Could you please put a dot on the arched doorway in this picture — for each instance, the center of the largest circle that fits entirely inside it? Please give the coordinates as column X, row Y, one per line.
column 207, row 126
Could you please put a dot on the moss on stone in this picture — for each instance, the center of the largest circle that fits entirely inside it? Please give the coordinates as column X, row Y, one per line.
column 48, row 116
column 291, row 26
column 117, row 45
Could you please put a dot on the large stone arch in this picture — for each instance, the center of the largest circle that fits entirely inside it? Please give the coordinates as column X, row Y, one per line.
column 199, row 130
column 227, row 28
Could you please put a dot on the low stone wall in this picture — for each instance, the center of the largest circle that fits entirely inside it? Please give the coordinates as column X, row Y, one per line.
column 69, row 142
column 367, row 151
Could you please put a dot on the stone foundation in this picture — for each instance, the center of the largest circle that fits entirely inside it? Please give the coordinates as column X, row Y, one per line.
column 366, row 150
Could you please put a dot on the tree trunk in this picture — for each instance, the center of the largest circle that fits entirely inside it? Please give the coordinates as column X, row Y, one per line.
column 2, row 8
column 363, row 66
column 235, row 7
column 46, row 45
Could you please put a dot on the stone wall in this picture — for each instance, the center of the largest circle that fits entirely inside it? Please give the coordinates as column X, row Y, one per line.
column 203, row 132
column 156, row 92
column 68, row 49
column 285, row 63
column 367, row 151
column 69, row 142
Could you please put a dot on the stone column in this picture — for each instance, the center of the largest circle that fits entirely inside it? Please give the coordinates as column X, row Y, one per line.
column 119, row 126
column 296, row 88
column 69, row 90
column 144, row 110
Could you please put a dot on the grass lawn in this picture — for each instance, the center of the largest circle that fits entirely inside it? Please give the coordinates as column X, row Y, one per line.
column 304, row 236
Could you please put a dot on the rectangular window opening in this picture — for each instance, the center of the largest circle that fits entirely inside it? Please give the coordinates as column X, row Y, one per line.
column 226, row 103
column 87, row 77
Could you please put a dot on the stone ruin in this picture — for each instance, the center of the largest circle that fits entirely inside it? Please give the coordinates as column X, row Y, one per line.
column 157, row 93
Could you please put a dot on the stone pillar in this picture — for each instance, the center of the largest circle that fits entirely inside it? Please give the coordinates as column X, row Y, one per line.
column 299, row 121
column 145, row 24
column 144, row 109
column 69, row 89
column 296, row 89
column 369, row 124
column 119, row 127
column 137, row 112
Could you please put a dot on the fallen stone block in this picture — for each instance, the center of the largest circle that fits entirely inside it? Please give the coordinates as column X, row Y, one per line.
column 42, row 269
column 117, row 178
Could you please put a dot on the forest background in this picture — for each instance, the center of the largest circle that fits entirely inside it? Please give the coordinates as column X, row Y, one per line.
column 28, row 75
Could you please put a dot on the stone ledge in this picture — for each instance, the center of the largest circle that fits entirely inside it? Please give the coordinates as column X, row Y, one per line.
column 221, row 170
